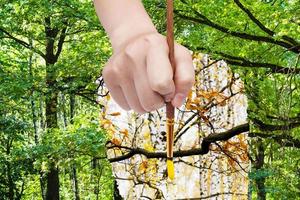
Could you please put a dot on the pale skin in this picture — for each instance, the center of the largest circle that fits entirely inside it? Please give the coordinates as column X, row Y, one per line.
column 139, row 75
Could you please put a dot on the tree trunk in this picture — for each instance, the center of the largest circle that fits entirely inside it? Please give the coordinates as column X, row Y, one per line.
column 75, row 183
column 74, row 172
column 43, row 185
column 117, row 195
column 41, row 113
column 51, row 121
column 11, row 185
column 42, row 127
column 51, row 100
column 52, row 184
column 72, row 108
column 64, row 113
column 261, row 190
column 259, row 163
column 33, row 110
column 52, row 54
column 11, row 192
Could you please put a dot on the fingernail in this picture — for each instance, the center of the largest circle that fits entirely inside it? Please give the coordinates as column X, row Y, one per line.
column 178, row 100
column 169, row 98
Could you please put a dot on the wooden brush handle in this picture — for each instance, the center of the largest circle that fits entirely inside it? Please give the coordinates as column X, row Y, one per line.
column 169, row 107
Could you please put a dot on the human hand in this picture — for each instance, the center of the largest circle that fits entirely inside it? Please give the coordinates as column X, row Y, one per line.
column 139, row 75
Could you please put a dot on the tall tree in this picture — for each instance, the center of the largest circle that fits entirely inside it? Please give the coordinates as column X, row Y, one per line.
column 46, row 28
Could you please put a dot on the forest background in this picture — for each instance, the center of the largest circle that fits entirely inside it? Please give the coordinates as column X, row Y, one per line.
column 52, row 52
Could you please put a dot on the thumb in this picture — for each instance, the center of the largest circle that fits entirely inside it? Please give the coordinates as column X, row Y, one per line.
column 184, row 74
column 160, row 72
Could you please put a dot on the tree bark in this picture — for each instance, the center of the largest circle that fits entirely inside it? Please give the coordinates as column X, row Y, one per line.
column 117, row 195
column 74, row 171
column 33, row 106
column 11, row 185
column 11, row 192
column 52, row 184
column 259, row 163
column 75, row 183
column 41, row 113
column 51, row 105
column 72, row 108
column 64, row 113
column 51, row 121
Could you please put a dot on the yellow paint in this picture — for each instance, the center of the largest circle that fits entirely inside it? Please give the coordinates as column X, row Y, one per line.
column 170, row 169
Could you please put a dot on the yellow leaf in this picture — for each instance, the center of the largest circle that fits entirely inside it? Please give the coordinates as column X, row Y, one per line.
column 190, row 95
column 196, row 101
column 115, row 114
column 191, row 107
column 107, row 97
column 116, row 141
column 105, row 123
column 147, row 134
column 125, row 132
column 222, row 103
column 148, row 147
column 143, row 166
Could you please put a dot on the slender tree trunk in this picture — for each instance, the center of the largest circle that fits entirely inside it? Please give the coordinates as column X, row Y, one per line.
column 75, row 183
column 72, row 108
column 74, row 171
column 117, row 195
column 259, row 163
column 11, row 185
column 41, row 113
column 35, row 120
column 33, row 110
column 42, row 127
column 11, row 192
column 43, row 185
column 64, row 113
column 94, row 166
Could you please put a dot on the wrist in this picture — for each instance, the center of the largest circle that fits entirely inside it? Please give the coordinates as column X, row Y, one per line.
column 125, row 33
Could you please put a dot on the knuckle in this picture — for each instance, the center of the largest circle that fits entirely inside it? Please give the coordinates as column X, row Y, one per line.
column 153, row 106
column 110, row 71
column 184, row 52
column 111, row 74
column 187, row 82
column 161, row 85
column 105, row 72
column 154, row 40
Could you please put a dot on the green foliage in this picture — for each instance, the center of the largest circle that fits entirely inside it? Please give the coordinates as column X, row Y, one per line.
column 265, row 57
column 26, row 67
